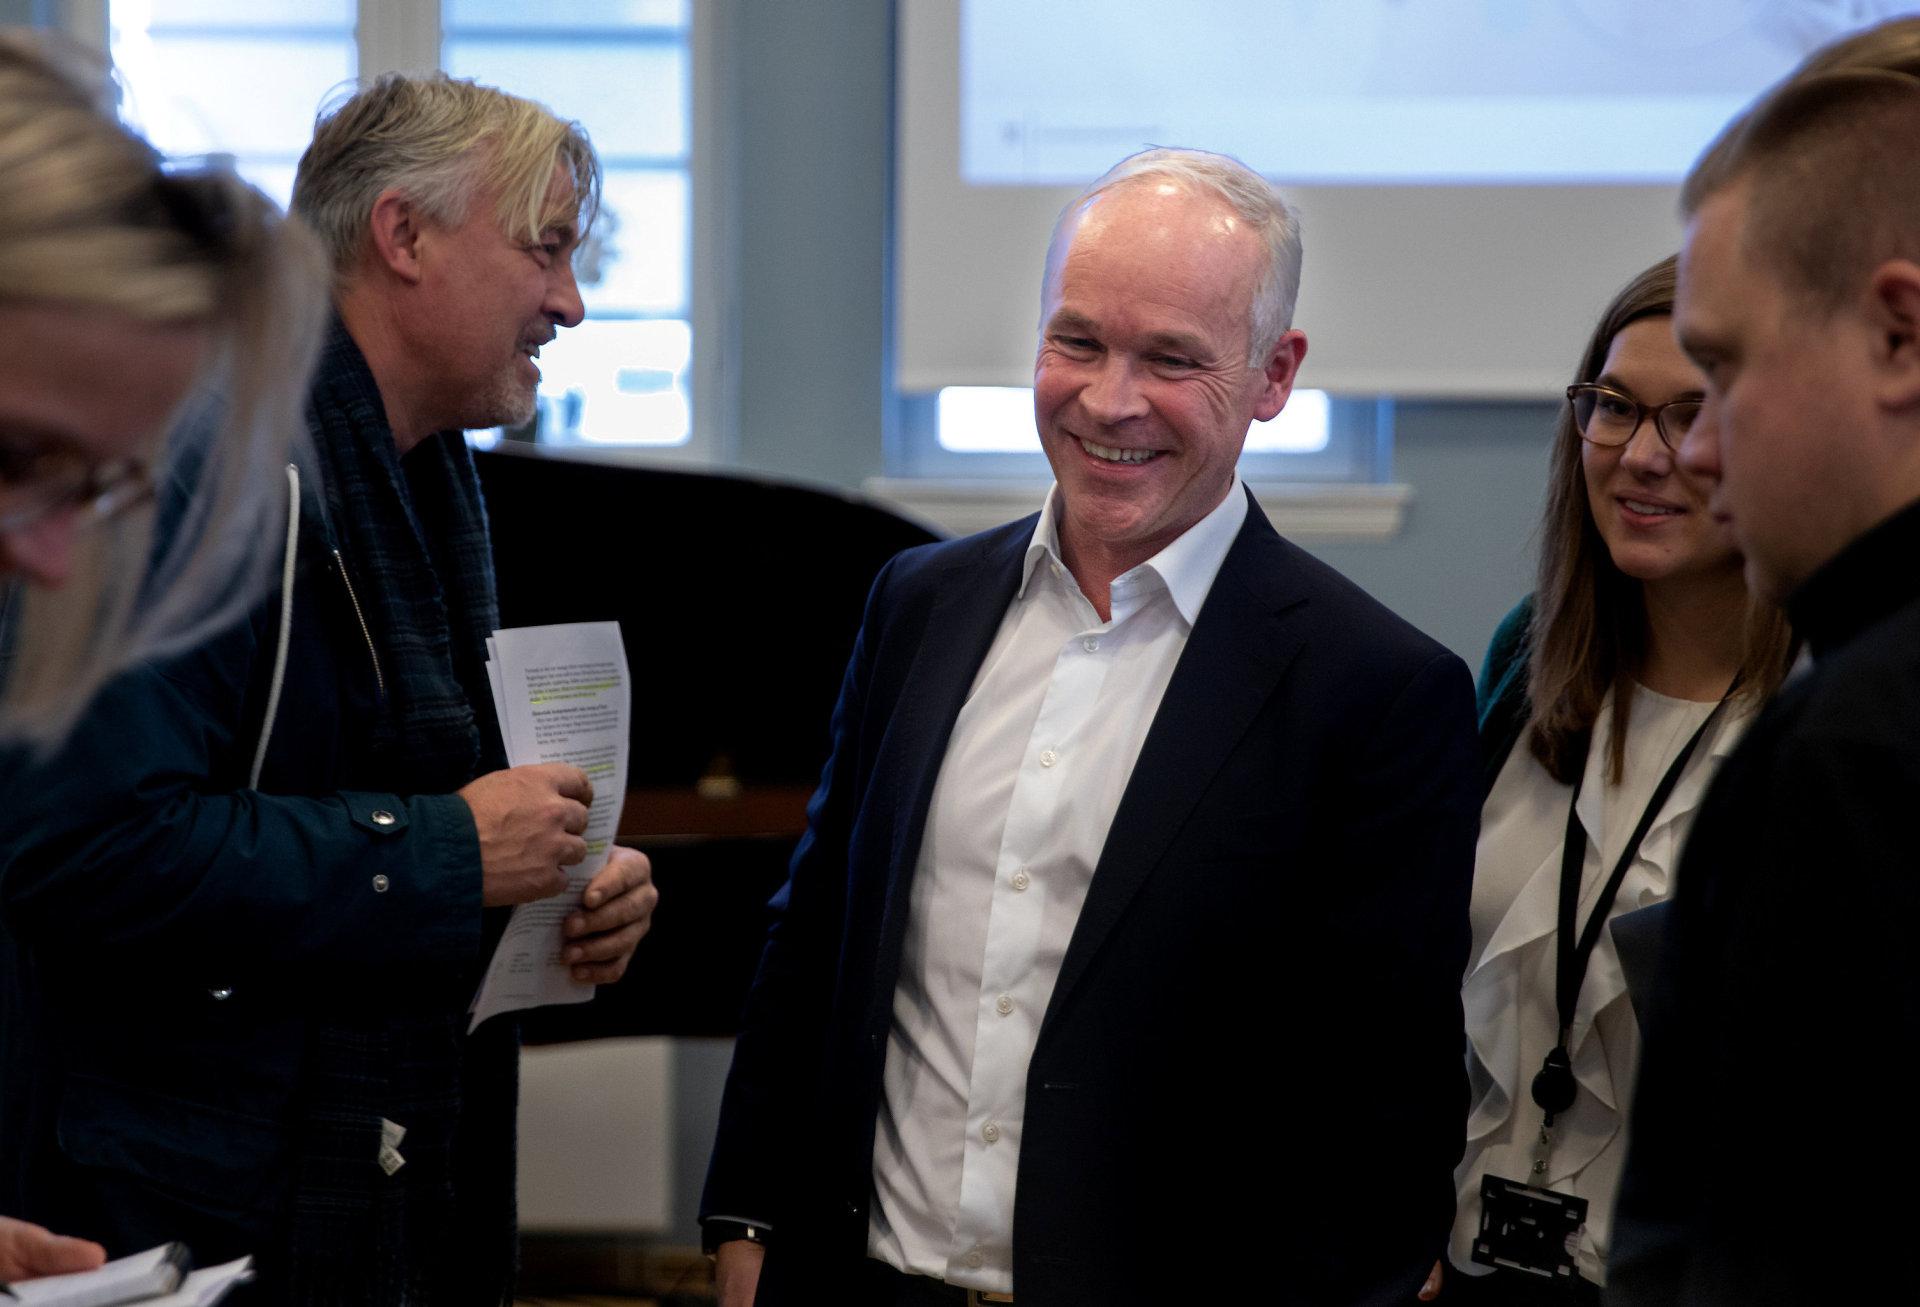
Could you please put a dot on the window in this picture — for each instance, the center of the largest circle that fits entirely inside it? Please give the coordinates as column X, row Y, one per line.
column 231, row 78
column 622, row 68
column 243, row 79
column 987, row 432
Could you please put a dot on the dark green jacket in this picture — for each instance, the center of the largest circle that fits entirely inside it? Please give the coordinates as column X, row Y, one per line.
column 1501, row 694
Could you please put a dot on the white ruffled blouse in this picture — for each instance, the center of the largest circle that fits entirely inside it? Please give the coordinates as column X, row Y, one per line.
column 1509, row 992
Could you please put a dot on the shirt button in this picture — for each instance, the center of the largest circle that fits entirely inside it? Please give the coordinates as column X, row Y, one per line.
column 1090, row 644
column 380, row 884
column 1021, row 880
column 381, row 817
column 990, row 1132
column 1048, row 757
column 976, row 1259
column 1003, row 1005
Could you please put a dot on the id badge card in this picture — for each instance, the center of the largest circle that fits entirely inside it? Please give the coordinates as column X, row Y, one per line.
column 1535, row 1231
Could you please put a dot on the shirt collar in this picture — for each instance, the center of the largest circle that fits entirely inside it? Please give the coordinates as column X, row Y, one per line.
column 1186, row 567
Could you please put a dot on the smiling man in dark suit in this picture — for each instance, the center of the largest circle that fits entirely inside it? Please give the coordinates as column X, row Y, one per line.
column 1120, row 962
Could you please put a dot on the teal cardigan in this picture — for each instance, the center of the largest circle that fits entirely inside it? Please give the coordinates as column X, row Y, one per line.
column 1501, row 693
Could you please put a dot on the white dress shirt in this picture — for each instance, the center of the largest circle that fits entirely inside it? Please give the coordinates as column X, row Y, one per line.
column 1033, row 774
column 1512, row 1021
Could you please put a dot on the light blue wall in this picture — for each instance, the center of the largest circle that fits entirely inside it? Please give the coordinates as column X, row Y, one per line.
column 812, row 126
column 1465, row 553
column 811, row 118
column 807, row 146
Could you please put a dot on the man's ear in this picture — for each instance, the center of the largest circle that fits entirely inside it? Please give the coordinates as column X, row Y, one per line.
column 1282, row 366
column 394, row 232
column 1893, row 308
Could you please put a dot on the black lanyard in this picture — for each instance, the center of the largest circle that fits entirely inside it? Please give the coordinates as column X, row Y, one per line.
column 1554, row 1088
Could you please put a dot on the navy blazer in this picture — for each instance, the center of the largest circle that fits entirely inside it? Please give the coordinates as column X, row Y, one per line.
column 1249, row 1079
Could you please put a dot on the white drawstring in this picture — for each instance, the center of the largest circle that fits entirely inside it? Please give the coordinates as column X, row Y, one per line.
column 286, row 625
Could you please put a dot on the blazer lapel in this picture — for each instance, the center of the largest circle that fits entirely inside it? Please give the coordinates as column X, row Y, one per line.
column 971, row 600
column 1247, row 634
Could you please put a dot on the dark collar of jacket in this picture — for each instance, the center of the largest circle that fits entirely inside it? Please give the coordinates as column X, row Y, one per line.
column 1870, row 579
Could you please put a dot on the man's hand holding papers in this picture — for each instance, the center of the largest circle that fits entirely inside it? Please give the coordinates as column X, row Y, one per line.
column 563, row 700
column 530, row 820
column 617, row 909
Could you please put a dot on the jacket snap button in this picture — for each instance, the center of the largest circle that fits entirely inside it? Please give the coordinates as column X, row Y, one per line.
column 380, row 884
column 381, row 817
column 221, row 994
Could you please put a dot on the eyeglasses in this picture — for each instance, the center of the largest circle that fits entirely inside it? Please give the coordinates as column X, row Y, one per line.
column 1605, row 416
column 36, row 484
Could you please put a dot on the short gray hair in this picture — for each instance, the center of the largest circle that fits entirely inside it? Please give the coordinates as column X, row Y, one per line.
column 1243, row 190
column 438, row 139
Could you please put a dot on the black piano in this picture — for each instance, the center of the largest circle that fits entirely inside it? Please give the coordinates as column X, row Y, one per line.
column 738, row 598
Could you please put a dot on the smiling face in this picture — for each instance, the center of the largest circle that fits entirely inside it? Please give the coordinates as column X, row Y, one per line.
column 1142, row 389
column 487, row 303
column 1652, row 514
column 116, row 384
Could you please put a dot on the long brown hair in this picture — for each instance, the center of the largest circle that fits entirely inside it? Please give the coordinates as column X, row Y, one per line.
column 1589, row 630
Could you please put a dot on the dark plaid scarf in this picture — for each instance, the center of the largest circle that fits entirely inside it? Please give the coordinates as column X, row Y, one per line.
column 413, row 540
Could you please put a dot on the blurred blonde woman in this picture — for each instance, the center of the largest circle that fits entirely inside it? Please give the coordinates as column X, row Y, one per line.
column 131, row 297
column 135, row 301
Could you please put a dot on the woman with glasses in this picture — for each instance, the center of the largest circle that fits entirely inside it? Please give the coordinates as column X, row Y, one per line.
column 134, row 301
column 1607, row 700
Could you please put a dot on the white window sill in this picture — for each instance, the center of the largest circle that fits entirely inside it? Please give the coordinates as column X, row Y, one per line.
column 1302, row 511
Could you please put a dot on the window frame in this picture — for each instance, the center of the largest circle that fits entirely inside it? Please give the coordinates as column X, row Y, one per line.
column 407, row 35
column 1358, row 451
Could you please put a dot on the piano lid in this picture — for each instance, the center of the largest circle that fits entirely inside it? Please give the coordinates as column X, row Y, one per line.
column 739, row 598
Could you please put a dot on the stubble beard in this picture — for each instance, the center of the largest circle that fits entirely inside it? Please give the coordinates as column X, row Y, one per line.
column 507, row 402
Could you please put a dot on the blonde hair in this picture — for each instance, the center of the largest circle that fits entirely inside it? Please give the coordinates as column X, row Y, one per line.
column 439, row 140
column 1892, row 46
column 1243, row 190
column 90, row 218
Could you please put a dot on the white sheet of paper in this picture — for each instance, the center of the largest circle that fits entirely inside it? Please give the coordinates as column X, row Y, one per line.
column 207, row 1287
column 562, row 695
column 126, row 1279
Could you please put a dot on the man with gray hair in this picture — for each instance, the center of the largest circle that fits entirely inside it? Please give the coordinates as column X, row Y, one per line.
column 262, row 880
column 1121, row 960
